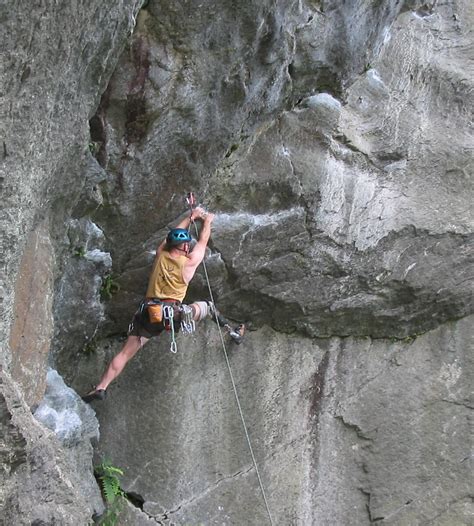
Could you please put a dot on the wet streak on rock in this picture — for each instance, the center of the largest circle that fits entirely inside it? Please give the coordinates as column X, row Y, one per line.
column 98, row 129
column 136, row 123
column 317, row 391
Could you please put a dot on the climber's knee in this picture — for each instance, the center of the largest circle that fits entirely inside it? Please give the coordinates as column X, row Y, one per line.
column 201, row 310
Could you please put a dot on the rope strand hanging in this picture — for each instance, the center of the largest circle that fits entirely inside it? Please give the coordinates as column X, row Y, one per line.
column 190, row 201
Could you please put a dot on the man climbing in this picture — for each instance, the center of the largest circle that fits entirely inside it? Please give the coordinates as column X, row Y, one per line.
column 173, row 269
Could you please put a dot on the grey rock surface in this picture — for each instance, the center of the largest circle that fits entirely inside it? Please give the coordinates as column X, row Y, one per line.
column 337, row 218
column 349, row 212
column 345, row 431
column 39, row 482
column 56, row 60
column 78, row 309
column 76, row 427
column 56, row 63
column 133, row 516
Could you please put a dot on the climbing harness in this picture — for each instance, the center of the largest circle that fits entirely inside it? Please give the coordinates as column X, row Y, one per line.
column 168, row 320
column 191, row 201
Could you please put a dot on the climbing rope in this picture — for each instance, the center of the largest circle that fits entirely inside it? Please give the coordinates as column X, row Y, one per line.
column 190, row 201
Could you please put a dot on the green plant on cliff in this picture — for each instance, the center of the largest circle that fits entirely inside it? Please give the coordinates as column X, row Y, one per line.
column 108, row 477
column 79, row 251
column 109, row 287
column 94, row 147
column 91, row 346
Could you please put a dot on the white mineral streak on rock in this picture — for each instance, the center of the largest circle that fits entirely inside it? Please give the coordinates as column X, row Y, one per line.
column 323, row 99
column 374, row 79
column 256, row 220
column 450, row 374
column 250, row 223
column 396, row 166
column 63, row 412
column 98, row 256
column 94, row 230
column 64, row 423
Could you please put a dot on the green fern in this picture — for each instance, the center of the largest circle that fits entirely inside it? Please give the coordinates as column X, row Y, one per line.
column 111, row 488
column 109, row 469
column 108, row 476
column 110, row 517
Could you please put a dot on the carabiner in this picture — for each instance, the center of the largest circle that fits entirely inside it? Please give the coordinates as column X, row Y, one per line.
column 168, row 315
column 190, row 199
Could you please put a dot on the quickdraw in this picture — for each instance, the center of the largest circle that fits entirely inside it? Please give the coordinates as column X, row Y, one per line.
column 190, row 200
column 188, row 325
column 168, row 317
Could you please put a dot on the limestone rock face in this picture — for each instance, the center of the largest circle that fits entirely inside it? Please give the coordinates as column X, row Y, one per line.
column 346, row 213
column 56, row 61
column 32, row 328
column 56, row 64
column 333, row 140
column 39, row 482
column 76, row 427
column 344, row 210
column 345, row 431
column 78, row 308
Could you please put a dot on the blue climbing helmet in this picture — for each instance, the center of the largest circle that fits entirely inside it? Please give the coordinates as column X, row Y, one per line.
column 176, row 236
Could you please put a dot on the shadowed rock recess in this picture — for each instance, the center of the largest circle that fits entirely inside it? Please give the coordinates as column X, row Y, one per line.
column 334, row 141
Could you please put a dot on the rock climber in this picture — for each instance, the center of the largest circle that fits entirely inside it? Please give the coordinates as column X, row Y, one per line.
column 174, row 267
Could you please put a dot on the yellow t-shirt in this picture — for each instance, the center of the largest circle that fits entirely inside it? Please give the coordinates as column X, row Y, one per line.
column 166, row 280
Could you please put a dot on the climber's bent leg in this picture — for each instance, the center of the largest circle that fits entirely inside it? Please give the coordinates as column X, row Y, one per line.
column 204, row 309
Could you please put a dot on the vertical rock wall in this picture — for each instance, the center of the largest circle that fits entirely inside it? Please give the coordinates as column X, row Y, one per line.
column 345, row 431
column 54, row 71
column 40, row 480
column 56, row 61
column 342, row 213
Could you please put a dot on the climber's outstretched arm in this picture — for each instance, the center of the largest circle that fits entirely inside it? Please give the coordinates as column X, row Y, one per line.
column 199, row 251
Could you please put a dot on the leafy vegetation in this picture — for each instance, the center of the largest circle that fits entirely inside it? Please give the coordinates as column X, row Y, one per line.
column 108, row 477
column 91, row 346
column 109, row 287
column 94, row 147
column 79, row 251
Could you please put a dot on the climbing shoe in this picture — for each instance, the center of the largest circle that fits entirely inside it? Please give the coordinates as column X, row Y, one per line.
column 95, row 394
column 237, row 334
